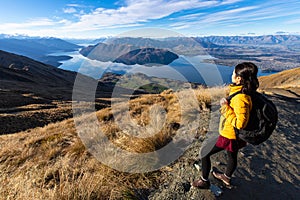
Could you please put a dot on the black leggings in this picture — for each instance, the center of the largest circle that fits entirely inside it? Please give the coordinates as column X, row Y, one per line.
column 231, row 162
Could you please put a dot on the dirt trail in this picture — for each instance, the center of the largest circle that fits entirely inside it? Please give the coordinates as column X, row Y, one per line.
column 266, row 171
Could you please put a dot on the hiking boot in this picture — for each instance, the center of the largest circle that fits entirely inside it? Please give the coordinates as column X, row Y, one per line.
column 201, row 184
column 225, row 179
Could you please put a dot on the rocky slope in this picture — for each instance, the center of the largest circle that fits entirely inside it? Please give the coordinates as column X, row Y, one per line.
column 266, row 171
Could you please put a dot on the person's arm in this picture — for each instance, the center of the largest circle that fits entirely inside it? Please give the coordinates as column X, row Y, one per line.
column 237, row 115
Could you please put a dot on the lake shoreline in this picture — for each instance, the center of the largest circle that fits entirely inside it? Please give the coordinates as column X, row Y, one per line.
column 195, row 69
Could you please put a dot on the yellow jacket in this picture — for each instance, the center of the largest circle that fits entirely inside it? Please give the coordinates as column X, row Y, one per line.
column 236, row 114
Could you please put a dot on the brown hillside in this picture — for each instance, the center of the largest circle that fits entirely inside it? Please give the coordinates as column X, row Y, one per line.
column 285, row 83
column 34, row 94
column 24, row 75
column 284, row 79
column 53, row 163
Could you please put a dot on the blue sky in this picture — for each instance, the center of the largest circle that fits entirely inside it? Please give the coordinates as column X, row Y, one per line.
column 94, row 19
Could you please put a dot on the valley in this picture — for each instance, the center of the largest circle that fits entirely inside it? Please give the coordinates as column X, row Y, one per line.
column 46, row 155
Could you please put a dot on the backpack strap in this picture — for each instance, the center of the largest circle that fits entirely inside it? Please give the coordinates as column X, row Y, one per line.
column 232, row 95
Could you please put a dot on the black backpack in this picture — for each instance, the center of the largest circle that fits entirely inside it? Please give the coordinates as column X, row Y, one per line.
column 262, row 121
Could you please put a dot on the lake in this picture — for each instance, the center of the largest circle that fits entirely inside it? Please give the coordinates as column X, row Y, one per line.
column 191, row 69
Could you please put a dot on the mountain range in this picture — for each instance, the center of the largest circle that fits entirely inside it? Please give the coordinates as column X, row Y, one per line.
column 253, row 40
column 39, row 48
column 269, row 52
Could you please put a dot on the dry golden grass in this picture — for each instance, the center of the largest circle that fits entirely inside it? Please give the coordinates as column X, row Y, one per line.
column 142, row 111
column 53, row 163
column 209, row 96
column 285, row 79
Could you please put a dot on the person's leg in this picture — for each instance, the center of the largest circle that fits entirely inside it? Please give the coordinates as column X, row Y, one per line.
column 206, row 164
column 231, row 166
column 231, row 163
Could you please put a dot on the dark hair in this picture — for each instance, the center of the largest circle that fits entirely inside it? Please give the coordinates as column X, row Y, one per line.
column 248, row 73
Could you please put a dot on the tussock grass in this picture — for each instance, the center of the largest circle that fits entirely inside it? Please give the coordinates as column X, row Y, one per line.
column 209, row 96
column 53, row 163
column 285, row 79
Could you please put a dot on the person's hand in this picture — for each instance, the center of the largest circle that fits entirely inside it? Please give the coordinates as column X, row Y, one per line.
column 223, row 101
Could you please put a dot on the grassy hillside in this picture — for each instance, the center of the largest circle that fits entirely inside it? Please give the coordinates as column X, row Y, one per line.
column 52, row 162
column 285, row 83
column 284, row 79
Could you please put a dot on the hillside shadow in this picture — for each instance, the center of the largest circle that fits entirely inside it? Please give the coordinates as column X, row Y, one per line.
column 258, row 183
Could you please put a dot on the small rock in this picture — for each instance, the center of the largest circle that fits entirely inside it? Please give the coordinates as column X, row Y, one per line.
column 168, row 169
column 197, row 167
column 216, row 190
column 267, row 166
column 218, row 163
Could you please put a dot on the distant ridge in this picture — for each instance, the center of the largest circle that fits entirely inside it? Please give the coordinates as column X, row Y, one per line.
column 106, row 52
column 21, row 73
column 38, row 48
column 147, row 56
column 116, row 47
column 253, row 40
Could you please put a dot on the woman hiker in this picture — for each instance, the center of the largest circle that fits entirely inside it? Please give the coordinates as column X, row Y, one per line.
column 234, row 114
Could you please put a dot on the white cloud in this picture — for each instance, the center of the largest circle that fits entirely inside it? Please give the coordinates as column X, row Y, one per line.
column 293, row 21
column 74, row 5
column 29, row 24
column 230, row 2
column 241, row 16
column 227, row 15
column 136, row 11
column 182, row 27
column 69, row 10
column 189, row 17
column 35, row 27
